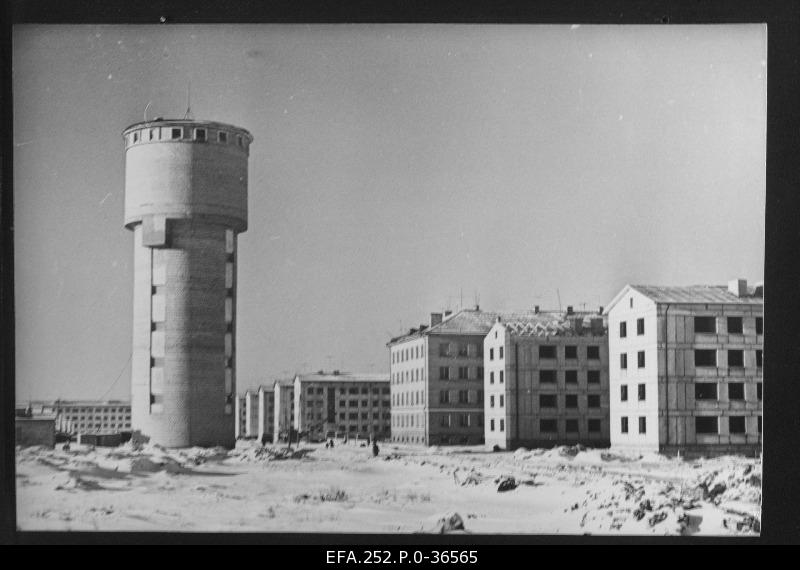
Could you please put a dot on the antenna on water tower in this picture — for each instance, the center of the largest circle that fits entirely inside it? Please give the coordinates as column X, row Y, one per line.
column 188, row 114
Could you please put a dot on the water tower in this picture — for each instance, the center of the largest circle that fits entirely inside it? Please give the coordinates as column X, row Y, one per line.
column 186, row 202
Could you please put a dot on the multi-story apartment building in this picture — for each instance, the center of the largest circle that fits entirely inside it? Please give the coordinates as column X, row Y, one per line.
column 437, row 378
column 342, row 403
column 266, row 412
column 256, row 413
column 240, row 412
column 547, row 381
column 685, row 367
column 251, row 413
column 283, row 415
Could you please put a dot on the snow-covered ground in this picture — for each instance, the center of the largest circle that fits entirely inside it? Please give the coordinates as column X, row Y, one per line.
column 404, row 489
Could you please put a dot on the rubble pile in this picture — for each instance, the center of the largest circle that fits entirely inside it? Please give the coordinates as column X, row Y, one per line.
column 448, row 523
column 256, row 454
column 662, row 507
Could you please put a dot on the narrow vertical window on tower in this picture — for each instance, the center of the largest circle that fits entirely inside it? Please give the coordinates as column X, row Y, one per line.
column 158, row 310
column 228, row 390
column 156, row 389
column 228, row 345
column 228, row 310
column 230, row 242
column 229, row 275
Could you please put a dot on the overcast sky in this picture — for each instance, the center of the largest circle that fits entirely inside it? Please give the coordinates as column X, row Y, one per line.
column 395, row 170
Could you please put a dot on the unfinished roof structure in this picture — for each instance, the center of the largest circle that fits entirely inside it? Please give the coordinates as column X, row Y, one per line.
column 557, row 324
column 478, row 322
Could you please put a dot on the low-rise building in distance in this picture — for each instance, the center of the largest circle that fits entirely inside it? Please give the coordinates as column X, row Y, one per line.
column 342, row 404
column 240, row 412
column 283, row 415
column 251, row 413
column 686, row 367
column 30, row 430
column 266, row 412
column 85, row 416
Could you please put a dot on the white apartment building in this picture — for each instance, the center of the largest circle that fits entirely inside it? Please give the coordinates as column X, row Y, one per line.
column 685, row 368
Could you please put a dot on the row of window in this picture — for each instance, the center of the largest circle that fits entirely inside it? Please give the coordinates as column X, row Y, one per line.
column 122, row 409
column 703, row 325
column 702, row 391
column 408, row 376
column 550, row 352
column 461, row 420
column 445, row 420
column 407, row 420
column 551, row 401
column 550, row 425
column 624, row 424
column 463, row 373
column 310, row 416
column 623, row 360
column 708, row 391
column 408, row 439
column 702, row 358
column 703, row 425
column 198, row 134
column 364, row 428
column 461, row 397
column 641, row 393
column 499, row 353
column 462, row 349
column 320, row 391
column 550, row 377
column 623, row 328
column 99, row 424
column 410, row 353
column 350, row 403
column 93, row 417
column 408, row 398
column 708, row 325
column 735, row 358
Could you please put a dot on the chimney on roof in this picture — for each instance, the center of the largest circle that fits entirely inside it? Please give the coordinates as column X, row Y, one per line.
column 498, row 319
column 447, row 314
column 320, row 372
column 536, row 309
column 335, row 372
column 569, row 309
column 600, row 310
column 436, row 318
column 738, row 287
